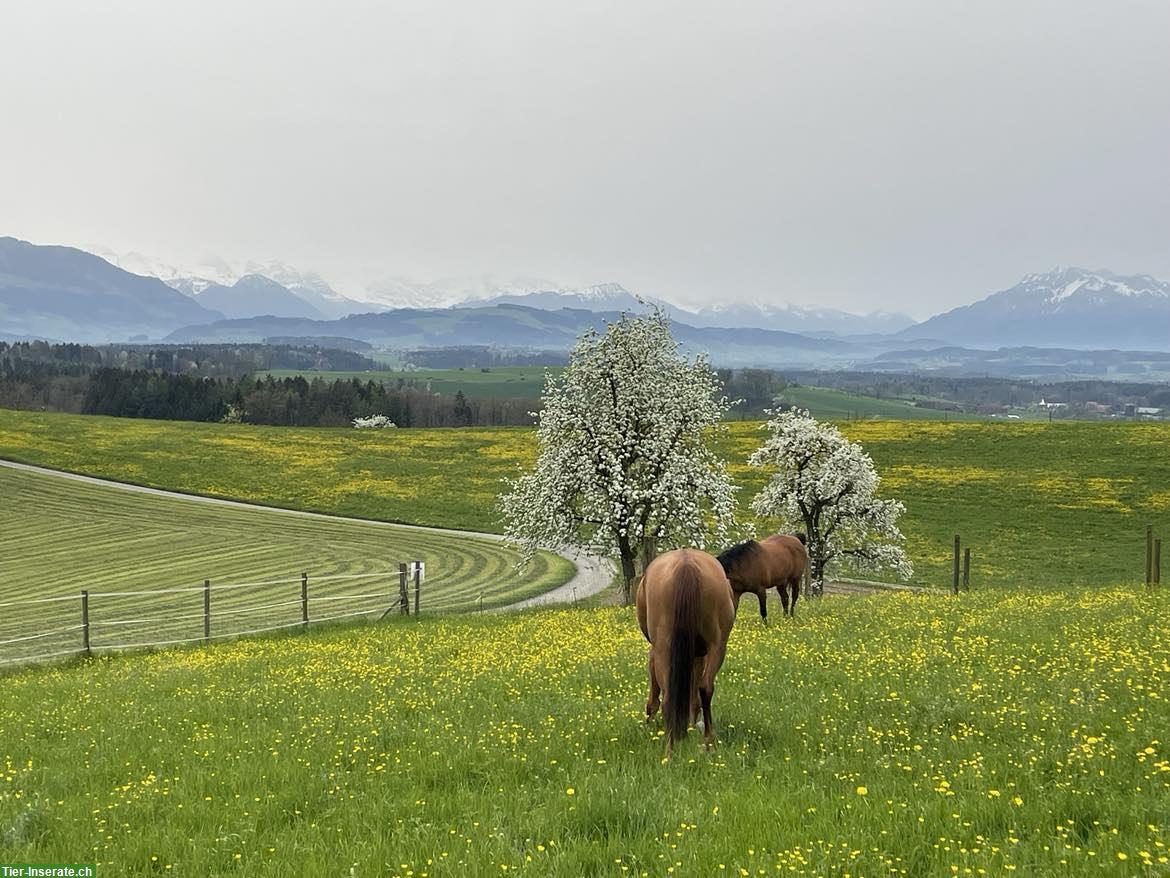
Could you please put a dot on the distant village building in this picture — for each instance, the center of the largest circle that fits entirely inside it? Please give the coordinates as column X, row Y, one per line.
column 1148, row 411
column 1052, row 405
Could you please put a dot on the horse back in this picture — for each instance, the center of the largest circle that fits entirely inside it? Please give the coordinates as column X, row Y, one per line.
column 687, row 574
column 786, row 557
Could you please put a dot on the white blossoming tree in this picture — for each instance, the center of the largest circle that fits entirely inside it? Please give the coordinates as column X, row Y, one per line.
column 825, row 485
column 623, row 466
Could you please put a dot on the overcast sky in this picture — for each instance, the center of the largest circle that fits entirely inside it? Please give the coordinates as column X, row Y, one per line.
column 861, row 155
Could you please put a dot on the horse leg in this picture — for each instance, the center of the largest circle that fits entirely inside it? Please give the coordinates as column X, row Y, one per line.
column 655, row 698
column 794, row 584
column 782, row 590
column 696, row 700
column 707, row 690
column 763, row 597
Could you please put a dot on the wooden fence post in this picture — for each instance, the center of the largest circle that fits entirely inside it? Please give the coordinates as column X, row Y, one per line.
column 967, row 569
column 207, row 609
column 417, row 584
column 305, row 601
column 85, row 621
column 955, row 575
column 1157, row 562
column 1149, row 553
column 403, row 599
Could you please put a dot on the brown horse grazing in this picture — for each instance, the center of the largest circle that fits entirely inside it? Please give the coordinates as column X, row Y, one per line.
column 776, row 562
column 686, row 610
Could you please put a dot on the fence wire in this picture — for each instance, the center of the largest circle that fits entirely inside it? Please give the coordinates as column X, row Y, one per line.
column 168, row 613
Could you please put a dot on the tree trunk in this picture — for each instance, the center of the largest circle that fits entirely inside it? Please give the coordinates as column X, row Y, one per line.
column 817, row 577
column 629, row 571
column 816, row 558
column 816, row 562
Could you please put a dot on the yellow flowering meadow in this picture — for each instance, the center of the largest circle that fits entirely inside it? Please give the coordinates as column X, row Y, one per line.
column 891, row 735
column 1035, row 502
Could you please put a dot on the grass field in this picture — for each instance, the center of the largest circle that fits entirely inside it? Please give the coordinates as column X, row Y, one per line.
column 838, row 405
column 61, row 536
column 992, row 734
column 1036, row 502
column 517, row 382
column 527, row 382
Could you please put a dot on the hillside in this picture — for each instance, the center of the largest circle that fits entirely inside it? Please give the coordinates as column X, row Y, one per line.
column 70, row 295
column 516, row 326
column 1036, row 502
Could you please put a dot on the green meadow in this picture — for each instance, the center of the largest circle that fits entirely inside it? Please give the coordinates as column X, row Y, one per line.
column 527, row 382
column 1037, row 503
column 997, row 733
column 143, row 560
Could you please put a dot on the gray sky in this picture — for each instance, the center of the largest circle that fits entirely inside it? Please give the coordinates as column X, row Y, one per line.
column 860, row 155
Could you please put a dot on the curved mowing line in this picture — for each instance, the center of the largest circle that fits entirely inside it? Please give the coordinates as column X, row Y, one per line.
column 64, row 535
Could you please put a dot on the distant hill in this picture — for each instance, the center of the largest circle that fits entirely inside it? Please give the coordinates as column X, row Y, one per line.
column 518, row 326
column 601, row 297
column 795, row 318
column 1070, row 307
column 64, row 293
column 253, row 296
column 784, row 318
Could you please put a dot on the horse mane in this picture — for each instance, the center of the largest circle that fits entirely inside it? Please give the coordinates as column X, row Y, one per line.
column 738, row 554
column 800, row 535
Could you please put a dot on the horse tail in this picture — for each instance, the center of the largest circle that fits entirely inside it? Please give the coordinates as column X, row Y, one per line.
column 685, row 646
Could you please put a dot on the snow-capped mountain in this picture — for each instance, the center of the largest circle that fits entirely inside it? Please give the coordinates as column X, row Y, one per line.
column 757, row 315
column 312, row 288
column 400, row 292
column 254, row 295
column 599, row 297
column 796, row 318
column 1065, row 307
column 193, row 279
column 189, row 279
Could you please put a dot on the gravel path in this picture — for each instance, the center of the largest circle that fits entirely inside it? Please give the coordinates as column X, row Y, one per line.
column 592, row 572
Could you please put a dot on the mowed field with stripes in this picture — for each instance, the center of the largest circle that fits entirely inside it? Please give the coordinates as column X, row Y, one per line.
column 143, row 559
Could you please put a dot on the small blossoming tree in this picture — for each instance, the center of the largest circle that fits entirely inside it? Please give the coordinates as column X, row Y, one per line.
column 826, row 486
column 374, row 422
column 623, row 467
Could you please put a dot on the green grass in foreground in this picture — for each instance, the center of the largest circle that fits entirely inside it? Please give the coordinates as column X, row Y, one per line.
column 895, row 734
column 515, row 382
column 61, row 536
column 1037, row 503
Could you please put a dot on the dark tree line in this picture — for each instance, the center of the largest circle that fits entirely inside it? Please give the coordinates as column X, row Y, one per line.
column 480, row 356
column 297, row 401
column 215, row 382
column 203, row 360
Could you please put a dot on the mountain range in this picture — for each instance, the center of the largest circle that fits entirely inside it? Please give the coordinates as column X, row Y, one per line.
column 63, row 293
column 66, row 294
column 516, row 326
column 255, row 294
column 1065, row 307
column 194, row 280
